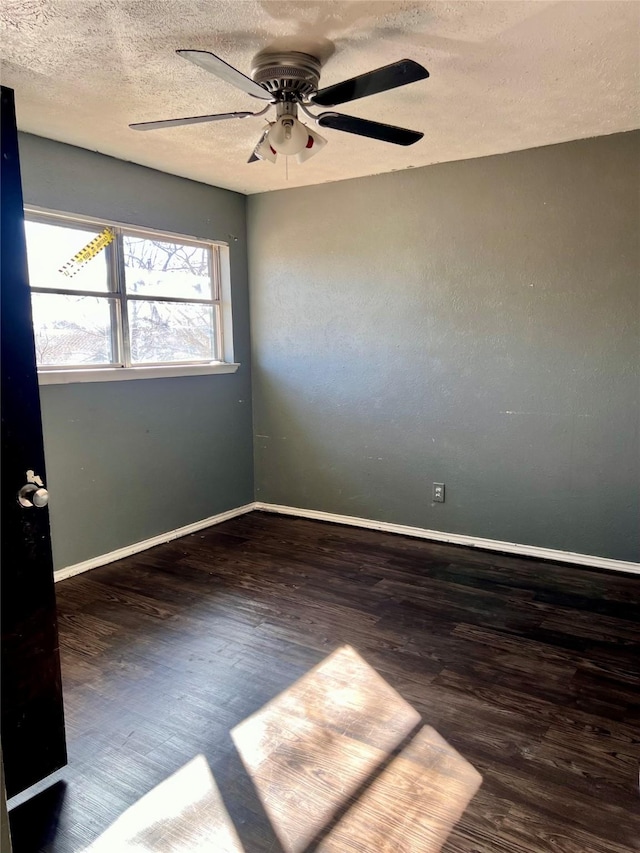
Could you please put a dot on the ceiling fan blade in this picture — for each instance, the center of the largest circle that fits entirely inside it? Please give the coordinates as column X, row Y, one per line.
column 178, row 122
column 210, row 62
column 373, row 129
column 381, row 80
column 254, row 158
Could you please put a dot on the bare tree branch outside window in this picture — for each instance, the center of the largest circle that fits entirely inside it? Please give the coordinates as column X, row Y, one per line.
column 167, row 296
column 168, row 331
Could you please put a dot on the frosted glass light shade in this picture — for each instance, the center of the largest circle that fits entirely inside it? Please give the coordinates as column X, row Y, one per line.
column 315, row 143
column 288, row 136
column 263, row 149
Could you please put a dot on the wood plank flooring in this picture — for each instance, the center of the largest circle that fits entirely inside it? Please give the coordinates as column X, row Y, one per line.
column 209, row 674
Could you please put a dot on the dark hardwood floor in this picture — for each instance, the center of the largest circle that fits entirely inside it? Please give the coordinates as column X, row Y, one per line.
column 461, row 668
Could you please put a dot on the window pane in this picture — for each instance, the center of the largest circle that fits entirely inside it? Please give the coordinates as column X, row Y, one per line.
column 158, row 268
column 170, row 331
column 71, row 329
column 50, row 247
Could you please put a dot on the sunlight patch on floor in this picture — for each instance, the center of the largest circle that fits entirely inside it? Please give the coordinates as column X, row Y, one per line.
column 320, row 757
column 183, row 814
column 412, row 805
column 339, row 761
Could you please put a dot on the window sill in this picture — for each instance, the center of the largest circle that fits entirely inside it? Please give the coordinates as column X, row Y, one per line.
column 119, row 374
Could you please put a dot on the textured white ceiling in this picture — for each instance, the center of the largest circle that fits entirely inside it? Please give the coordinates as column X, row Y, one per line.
column 504, row 76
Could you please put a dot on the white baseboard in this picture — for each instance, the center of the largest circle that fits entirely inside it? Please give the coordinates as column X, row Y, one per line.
column 136, row 547
column 458, row 539
column 386, row 526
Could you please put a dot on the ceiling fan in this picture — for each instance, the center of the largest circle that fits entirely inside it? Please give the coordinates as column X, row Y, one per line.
column 289, row 81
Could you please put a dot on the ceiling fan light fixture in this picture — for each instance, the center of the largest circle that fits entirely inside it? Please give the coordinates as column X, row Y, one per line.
column 263, row 150
column 315, row 143
column 288, row 136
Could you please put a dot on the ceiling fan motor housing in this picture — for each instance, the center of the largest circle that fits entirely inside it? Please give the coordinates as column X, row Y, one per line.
column 288, row 75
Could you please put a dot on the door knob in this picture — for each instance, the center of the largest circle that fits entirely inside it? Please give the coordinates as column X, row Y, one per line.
column 33, row 495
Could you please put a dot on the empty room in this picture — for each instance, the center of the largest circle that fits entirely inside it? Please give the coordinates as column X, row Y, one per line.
column 320, row 426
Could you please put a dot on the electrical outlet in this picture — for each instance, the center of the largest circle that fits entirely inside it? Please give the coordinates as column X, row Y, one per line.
column 438, row 492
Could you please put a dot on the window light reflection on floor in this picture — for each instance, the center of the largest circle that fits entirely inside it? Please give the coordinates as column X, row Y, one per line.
column 183, row 813
column 339, row 761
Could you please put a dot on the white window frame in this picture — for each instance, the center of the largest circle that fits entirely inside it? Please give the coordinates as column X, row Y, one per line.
column 124, row 369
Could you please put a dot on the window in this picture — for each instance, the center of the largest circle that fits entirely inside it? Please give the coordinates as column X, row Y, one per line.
column 106, row 296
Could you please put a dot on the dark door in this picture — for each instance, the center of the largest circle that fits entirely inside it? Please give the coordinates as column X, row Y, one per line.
column 33, row 741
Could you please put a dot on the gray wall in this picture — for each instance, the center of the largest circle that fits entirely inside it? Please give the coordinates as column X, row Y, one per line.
column 474, row 323
column 129, row 460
